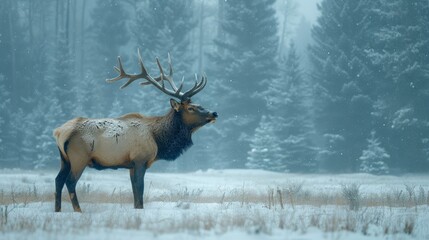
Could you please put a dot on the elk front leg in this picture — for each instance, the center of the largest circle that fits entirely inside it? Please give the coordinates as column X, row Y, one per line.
column 133, row 185
column 137, row 181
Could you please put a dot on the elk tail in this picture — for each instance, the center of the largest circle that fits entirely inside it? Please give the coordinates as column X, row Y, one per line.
column 62, row 136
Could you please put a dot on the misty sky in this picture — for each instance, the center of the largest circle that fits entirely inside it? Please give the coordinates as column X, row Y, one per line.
column 308, row 9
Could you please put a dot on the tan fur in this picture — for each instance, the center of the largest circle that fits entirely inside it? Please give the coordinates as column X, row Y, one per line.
column 63, row 133
column 115, row 142
column 111, row 142
column 131, row 141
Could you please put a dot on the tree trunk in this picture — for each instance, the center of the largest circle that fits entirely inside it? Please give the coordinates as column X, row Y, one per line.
column 201, row 40
column 67, row 30
column 12, row 51
column 73, row 26
column 30, row 21
column 220, row 16
column 82, row 40
column 289, row 11
column 283, row 36
column 57, row 18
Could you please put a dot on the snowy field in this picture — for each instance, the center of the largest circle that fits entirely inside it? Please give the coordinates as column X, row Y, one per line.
column 217, row 204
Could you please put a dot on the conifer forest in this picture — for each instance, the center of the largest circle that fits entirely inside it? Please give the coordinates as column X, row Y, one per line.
column 346, row 91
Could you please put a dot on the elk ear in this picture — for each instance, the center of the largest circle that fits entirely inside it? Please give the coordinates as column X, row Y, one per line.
column 175, row 105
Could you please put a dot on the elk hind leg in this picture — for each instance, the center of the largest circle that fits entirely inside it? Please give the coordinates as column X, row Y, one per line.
column 59, row 182
column 78, row 161
column 71, row 182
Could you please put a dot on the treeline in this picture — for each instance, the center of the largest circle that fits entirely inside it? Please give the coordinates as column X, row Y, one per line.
column 359, row 105
column 371, row 71
column 56, row 55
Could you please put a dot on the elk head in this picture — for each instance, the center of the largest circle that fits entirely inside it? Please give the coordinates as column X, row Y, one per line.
column 192, row 115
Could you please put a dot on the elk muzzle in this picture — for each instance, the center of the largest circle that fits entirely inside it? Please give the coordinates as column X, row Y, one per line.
column 212, row 117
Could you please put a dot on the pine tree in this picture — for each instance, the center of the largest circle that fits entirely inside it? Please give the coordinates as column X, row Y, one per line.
column 15, row 67
column 373, row 158
column 400, row 59
column 16, row 134
column 108, row 33
column 54, row 102
column 243, row 62
column 12, row 41
column 344, row 83
column 288, row 101
column 296, row 130
column 265, row 150
column 30, row 125
column 46, row 148
column 165, row 26
column 38, row 148
column 60, row 76
column 4, row 109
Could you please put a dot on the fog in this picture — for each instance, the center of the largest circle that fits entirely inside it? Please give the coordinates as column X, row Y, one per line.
column 315, row 86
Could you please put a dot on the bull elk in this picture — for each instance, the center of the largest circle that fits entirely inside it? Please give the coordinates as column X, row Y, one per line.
column 132, row 141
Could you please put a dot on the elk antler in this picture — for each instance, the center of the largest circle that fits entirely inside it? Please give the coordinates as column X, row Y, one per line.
column 158, row 82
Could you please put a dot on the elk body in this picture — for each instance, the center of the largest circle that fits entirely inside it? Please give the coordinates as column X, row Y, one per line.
column 132, row 141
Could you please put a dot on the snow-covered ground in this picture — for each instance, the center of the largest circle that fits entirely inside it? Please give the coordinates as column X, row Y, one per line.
column 216, row 204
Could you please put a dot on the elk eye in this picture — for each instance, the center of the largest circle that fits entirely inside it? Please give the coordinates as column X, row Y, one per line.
column 190, row 109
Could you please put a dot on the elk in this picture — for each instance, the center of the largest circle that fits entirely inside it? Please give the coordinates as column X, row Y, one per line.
column 132, row 141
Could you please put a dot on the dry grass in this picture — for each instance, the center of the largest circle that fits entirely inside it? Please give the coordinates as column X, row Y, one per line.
column 291, row 195
column 283, row 207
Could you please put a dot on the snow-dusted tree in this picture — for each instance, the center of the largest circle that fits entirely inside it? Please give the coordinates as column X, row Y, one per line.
column 38, row 147
column 13, row 46
column 53, row 103
column 55, row 87
column 108, row 33
column 344, row 84
column 165, row 26
column 373, row 157
column 33, row 132
column 296, row 130
column 47, row 150
column 4, row 109
column 60, row 73
column 288, row 101
column 265, row 150
column 399, row 54
column 243, row 61
column 16, row 135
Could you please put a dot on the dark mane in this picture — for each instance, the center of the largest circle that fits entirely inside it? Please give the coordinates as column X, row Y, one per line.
column 172, row 136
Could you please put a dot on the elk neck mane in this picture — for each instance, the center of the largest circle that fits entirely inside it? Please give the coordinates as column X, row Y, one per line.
column 172, row 136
